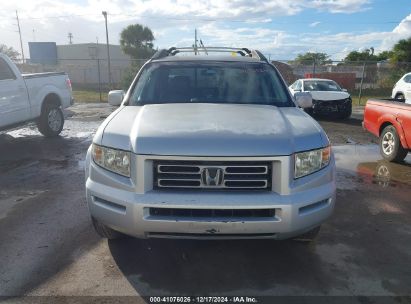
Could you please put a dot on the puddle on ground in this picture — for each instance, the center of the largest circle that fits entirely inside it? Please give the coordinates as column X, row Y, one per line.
column 362, row 165
column 72, row 129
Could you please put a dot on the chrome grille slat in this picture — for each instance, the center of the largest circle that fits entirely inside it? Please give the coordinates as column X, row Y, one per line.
column 189, row 174
column 160, row 169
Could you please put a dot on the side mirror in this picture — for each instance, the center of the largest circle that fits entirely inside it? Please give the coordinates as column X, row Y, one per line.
column 304, row 99
column 344, row 90
column 115, row 98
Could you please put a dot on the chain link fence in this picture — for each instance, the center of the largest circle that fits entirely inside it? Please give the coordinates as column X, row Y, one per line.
column 361, row 79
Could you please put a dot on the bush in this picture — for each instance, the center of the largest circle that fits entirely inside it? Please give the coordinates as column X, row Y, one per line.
column 388, row 81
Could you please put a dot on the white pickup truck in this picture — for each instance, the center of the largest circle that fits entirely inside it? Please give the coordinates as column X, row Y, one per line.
column 36, row 97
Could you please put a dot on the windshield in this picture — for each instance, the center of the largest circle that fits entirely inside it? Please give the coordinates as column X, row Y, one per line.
column 321, row 85
column 210, row 82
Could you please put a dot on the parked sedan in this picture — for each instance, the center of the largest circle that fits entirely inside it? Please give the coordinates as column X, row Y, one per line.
column 328, row 96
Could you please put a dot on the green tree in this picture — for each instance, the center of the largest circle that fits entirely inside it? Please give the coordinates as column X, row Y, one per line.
column 365, row 55
column 385, row 55
column 9, row 51
column 400, row 58
column 130, row 73
column 401, row 51
column 137, row 41
column 309, row 57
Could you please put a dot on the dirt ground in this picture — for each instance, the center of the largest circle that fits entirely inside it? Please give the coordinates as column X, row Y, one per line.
column 48, row 247
column 347, row 131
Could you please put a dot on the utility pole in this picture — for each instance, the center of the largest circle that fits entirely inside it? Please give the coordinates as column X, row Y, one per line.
column 70, row 37
column 98, row 70
column 195, row 41
column 108, row 50
column 34, row 35
column 362, row 81
column 21, row 41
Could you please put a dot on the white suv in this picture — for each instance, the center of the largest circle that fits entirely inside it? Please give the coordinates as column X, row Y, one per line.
column 402, row 89
column 210, row 147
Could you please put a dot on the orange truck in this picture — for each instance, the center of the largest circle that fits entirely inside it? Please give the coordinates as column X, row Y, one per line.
column 390, row 120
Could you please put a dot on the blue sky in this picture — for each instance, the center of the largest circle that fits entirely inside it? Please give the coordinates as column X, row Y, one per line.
column 280, row 28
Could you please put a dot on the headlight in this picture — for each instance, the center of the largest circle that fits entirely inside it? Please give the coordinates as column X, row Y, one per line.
column 117, row 161
column 311, row 161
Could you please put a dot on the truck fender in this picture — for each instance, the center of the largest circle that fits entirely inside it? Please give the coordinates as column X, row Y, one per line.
column 389, row 119
column 46, row 94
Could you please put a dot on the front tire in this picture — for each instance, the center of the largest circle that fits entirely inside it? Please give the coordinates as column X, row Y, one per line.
column 104, row 231
column 390, row 145
column 400, row 97
column 51, row 120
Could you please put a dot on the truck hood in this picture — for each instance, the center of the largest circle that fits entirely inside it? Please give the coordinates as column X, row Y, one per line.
column 212, row 130
column 329, row 95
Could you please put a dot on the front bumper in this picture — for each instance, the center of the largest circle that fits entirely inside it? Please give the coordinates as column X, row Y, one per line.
column 308, row 204
column 331, row 106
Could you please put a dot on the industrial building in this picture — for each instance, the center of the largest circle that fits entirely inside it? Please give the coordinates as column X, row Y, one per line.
column 85, row 63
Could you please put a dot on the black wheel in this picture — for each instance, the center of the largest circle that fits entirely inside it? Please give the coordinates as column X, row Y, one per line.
column 390, row 145
column 400, row 97
column 309, row 236
column 104, row 231
column 51, row 120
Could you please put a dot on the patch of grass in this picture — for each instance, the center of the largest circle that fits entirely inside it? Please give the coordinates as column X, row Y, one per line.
column 89, row 96
column 364, row 99
column 368, row 94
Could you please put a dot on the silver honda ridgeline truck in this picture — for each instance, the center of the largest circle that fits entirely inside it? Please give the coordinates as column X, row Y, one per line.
column 209, row 147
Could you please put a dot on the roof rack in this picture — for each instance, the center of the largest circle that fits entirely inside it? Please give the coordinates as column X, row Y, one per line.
column 210, row 49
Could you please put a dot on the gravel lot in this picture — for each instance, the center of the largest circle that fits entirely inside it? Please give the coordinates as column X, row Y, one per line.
column 48, row 247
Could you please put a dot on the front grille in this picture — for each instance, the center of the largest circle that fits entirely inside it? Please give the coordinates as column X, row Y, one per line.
column 330, row 102
column 329, row 105
column 212, row 175
column 212, row 213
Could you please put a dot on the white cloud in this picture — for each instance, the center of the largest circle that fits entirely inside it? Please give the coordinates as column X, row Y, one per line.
column 401, row 31
column 173, row 23
column 341, row 6
column 263, row 38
